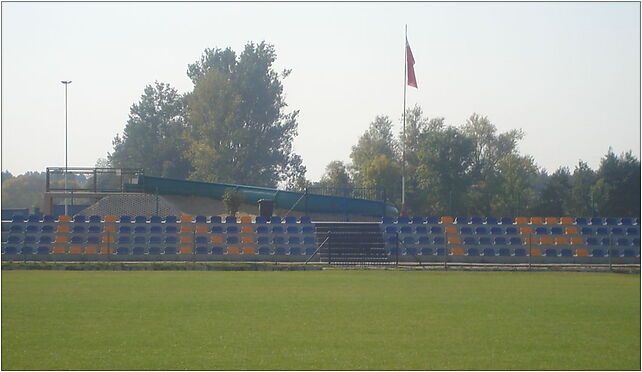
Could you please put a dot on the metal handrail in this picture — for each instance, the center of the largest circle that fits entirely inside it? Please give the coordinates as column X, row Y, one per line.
column 317, row 250
column 295, row 204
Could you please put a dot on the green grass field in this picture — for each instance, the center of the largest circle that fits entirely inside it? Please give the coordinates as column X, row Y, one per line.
column 333, row 319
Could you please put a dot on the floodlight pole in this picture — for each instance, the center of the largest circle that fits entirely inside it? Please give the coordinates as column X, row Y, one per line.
column 66, row 164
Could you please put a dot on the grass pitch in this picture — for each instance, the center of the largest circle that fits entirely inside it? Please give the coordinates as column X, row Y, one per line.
column 335, row 319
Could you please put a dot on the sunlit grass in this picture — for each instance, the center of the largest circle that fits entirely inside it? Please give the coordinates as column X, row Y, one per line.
column 319, row 320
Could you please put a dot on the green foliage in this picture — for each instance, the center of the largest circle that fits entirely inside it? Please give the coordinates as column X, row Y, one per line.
column 238, row 131
column 619, row 192
column 24, row 191
column 336, row 176
column 232, row 199
column 153, row 137
column 6, row 175
column 583, row 178
column 320, row 320
column 555, row 199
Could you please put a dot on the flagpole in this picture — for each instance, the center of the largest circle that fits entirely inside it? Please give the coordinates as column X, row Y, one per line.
column 403, row 143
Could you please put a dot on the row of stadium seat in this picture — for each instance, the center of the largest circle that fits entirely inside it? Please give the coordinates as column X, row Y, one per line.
column 21, row 228
column 446, row 220
column 488, row 241
column 167, row 220
column 509, row 230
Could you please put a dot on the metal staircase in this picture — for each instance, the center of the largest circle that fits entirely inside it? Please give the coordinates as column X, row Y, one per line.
column 351, row 243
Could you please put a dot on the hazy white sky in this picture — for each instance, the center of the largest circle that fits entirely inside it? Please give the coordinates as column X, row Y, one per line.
column 567, row 74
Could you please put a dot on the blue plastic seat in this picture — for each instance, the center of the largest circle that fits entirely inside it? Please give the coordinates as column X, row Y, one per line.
column 294, row 240
column 260, row 220
column 426, row 251
column 310, row 250
column 296, row 251
column 138, row 250
column 500, row 240
column 201, row 249
column 472, row 252
column 408, row 240
column 592, row 241
column 79, row 218
column 615, row 253
column 556, row 230
column 626, row 221
column 154, row 250
column 264, row 250
column 154, row 239
column 262, row 240
column 440, row 251
column 436, row 230
column 34, row 218
column 141, row 229
column 496, row 230
column 421, row 229
column 476, row 220
column 597, row 253
column 504, row 252
column 171, row 219
column 617, row 231
column 139, row 240
column 122, row 251
column 406, row 229
column 636, row 221
column 630, row 253
column 218, row 250
column 438, row 240
column 469, row 240
column 233, row 229
column 485, row 240
column 292, row 229
column 45, row 239
column 16, row 229
column 636, row 242
column 200, row 219
column 461, row 220
column 307, row 240
column 77, row 239
column 18, row 218
column 309, row 229
column 466, row 230
column 511, row 230
column 515, row 241
column 423, row 240
column 507, row 221
column 596, row 221
column 411, row 251
column 392, row 239
column 94, row 219
column 124, row 229
column 171, row 229
column 262, row 230
column 78, row 229
column 280, row 251
column 305, row 220
column 215, row 219
column 606, row 241
column 14, row 239
column 155, row 219
column 391, row 229
column 386, row 220
column 520, row 252
column 29, row 239
column 541, row 230
column 581, row 221
column 278, row 240
column 26, row 250
column 586, row 230
column 290, row 219
column 217, row 229
column 170, row 250
column 632, row 231
column 481, row 230
column 125, row 219
column 566, row 252
column 491, row 221
column 140, row 219
column 43, row 250
column 92, row 239
column 402, row 220
column 489, row 252
column 611, row 221
column 602, row 231
column 417, row 220
column 10, row 250
column 171, row 239
column 622, row 242
column 432, row 220
column 232, row 240
column 47, row 229
column 32, row 229
column 550, row 252
column 156, row 229
column 200, row 239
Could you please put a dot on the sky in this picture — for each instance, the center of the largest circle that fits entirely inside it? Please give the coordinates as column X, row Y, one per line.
column 567, row 74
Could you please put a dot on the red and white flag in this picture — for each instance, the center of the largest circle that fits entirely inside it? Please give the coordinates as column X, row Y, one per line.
column 410, row 61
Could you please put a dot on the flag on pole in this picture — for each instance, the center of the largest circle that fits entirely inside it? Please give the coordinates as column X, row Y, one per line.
column 410, row 61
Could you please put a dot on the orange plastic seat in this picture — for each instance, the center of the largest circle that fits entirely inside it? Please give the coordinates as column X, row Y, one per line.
column 186, row 239
column 571, row 230
column 581, row 252
column 525, row 230
column 561, row 240
column 537, row 221
column 454, row 240
column 447, row 219
column 201, row 229
column 536, row 252
column 109, row 228
column 64, row 218
column 62, row 229
column 90, row 249
column 59, row 250
column 246, row 219
column 551, row 221
column 248, row 250
column 458, row 251
column 451, row 230
column 217, row 239
column 232, row 250
column 185, row 250
column 247, row 229
column 546, row 240
column 186, row 229
column 521, row 221
column 110, row 219
column 187, row 219
column 247, row 240
column 576, row 240
column 531, row 240
column 566, row 220
column 106, row 250
column 74, row 249
column 61, row 239
column 108, row 239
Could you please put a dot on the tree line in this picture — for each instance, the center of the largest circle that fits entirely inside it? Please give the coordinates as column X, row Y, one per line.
column 235, row 127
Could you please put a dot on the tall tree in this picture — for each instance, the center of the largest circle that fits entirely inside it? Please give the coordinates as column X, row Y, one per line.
column 336, row 176
column 516, row 176
column 621, row 178
column 6, row 175
column 238, row 129
column 582, row 180
column 555, row 199
column 377, row 140
column 152, row 138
